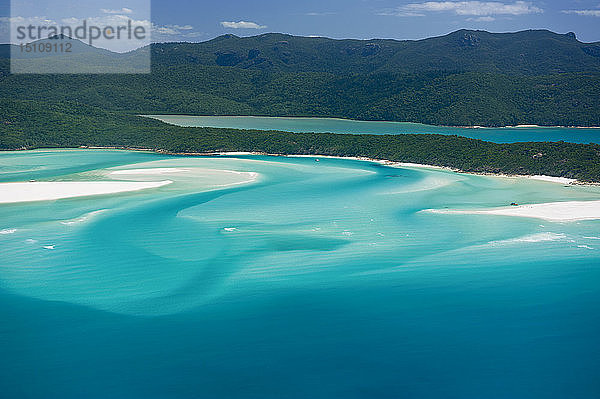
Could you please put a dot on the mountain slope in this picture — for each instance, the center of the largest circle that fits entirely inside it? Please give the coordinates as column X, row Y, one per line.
column 527, row 52
column 64, row 55
column 557, row 81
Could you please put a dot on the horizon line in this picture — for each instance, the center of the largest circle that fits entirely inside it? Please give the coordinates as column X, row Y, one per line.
column 327, row 37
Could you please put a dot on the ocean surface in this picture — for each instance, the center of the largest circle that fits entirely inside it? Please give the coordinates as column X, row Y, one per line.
column 311, row 280
column 346, row 126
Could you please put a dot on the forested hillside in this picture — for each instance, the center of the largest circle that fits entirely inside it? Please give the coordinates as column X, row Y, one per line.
column 464, row 78
column 532, row 52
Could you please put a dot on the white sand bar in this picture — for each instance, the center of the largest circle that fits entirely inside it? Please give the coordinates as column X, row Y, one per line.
column 553, row 211
column 552, row 179
column 152, row 171
column 46, row 191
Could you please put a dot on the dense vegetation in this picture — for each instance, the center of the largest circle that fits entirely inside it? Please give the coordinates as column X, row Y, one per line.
column 464, row 78
column 26, row 124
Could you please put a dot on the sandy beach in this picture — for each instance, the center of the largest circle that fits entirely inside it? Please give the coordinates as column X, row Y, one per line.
column 569, row 211
column 549, row 179
column 47, row 191
column 552, row 179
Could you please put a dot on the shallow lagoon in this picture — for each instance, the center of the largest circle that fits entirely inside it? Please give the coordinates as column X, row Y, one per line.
column 316, row 279
column 346, row 126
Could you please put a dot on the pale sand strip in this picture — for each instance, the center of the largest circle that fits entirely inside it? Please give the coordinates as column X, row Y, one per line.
column 250, row 176
column 552, row 179
column 548, row 179
column 46, row 191
column 152, row 171
column 552, row 211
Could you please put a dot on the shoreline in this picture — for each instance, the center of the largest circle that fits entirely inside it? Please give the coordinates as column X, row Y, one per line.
column 546, row 178
column 524, row 127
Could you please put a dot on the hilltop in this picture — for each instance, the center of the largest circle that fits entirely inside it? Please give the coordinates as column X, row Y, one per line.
column 528, row 52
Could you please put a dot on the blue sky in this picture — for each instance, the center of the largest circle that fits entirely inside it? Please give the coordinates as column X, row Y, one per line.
column 380, row 18
column 193, row 20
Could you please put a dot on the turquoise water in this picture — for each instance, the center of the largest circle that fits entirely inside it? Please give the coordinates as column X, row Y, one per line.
column 313, row 280
column 329, row 125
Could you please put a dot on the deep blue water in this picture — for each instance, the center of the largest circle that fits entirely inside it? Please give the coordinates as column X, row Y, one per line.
column 316, row 280
column 346, row 126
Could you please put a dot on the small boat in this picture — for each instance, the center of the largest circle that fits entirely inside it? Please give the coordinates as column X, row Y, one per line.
column 514, row 204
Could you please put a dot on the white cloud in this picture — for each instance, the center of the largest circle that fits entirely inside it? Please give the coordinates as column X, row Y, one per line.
column 107, row 20
column 472, row 8
column 192, row 35
column 123, row 10
column 482, row 19
column 173, row 29
column 70, row 21
column 169, row 33
column 242, row 25
column 41, row 21
column 588, row 13
column 165, row 30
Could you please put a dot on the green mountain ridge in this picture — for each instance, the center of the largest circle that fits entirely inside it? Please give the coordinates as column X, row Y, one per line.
column 526, row 52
